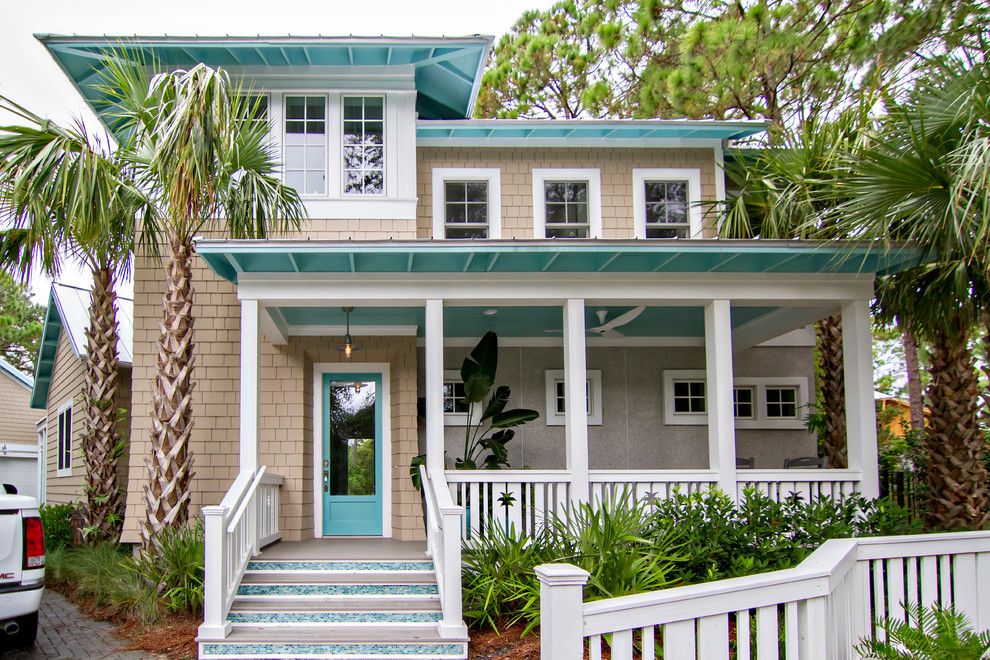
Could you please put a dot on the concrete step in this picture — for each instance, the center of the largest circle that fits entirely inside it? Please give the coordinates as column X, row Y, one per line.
column 352, row 604
column 340, row 566
column 350, row 642
column 338, row 619
column 391, row 591
column 301, row 577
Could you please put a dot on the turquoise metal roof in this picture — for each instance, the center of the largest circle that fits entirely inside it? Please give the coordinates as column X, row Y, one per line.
column 565, row 131
column 447, row 70
column 228, row 258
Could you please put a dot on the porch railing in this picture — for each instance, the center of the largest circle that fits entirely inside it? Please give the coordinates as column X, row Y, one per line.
column 809, row 484
column 443, row 540
column 520, row 499
column 819, row 609
column 244, row 521
column 646, row 485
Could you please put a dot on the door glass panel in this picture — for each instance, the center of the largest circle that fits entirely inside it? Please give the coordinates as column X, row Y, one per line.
column 352, row 438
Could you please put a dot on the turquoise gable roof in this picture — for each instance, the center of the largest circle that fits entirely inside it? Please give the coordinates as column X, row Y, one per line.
column 447, row 70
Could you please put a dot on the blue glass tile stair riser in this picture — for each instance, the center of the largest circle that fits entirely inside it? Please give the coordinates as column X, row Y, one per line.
column 340, row 566
column 342, row 650
column 334, row 617
column 337, row 590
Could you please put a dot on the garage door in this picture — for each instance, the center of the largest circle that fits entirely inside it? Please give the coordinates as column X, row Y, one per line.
column 22, row 472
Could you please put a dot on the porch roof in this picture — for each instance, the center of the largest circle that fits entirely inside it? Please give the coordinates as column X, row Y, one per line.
column 229, row 258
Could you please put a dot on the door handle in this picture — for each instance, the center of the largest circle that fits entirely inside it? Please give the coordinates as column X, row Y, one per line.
column 326, row 481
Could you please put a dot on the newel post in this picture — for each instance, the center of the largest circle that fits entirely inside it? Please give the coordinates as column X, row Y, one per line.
column 215, row 624
column 452, row 626
column 561, row 610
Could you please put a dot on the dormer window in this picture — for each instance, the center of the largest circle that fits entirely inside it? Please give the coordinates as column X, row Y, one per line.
column 306, row 144
column 364, row 145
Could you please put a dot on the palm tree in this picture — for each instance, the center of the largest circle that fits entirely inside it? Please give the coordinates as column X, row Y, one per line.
column 790, row 190
column 61, row 190
column 201, row 153
column 924, row 180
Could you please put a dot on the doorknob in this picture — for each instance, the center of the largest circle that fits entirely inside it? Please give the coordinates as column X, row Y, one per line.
column 326, row 481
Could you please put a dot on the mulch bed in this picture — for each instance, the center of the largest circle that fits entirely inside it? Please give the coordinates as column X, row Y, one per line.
column 507, row 644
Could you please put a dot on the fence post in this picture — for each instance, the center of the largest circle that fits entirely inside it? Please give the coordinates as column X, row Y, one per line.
column 561, row 611
column 215, row 625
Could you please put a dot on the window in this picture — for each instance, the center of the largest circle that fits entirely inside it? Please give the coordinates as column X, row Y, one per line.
column 782, row 402
column 467, row 203
column 305, row 144
column 254, row 108
column 64, row 446
column 364, row 145
column 771, row 402
column 556, row 397
column 455, row 408
column 567, row 203
column 665, row 203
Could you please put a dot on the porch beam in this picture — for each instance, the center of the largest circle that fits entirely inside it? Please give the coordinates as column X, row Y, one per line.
column 857, row 363
column 721, row 422
column 575, row 397
column 250, row 384
column 434, row 386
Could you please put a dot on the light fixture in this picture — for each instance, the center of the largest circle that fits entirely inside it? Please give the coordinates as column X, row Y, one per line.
column 490, row 312
column 357, row 387
column 349, row 345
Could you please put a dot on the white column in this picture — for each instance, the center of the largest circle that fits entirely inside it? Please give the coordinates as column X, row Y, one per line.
column 250, row 384
column 721, row 421
column 215, row 624
column 575, row 399
column 452, row 626
column 857, row 362
column 434, row 386
column 561, row 610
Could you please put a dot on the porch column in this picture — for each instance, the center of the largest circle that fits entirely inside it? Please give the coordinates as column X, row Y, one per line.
column 434, row 386
column 857, row 363
column 721, row 421
column 575, row 399
column 250, row 384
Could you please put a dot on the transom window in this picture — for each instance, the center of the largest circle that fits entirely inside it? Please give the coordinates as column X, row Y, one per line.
column 667, row 209
column 782, row 402
column 566, row 204
column 743, row 402
column 689, row 397
column 557, row 397
column 305, row 144
column 64, row 439
column 364, row 145
column 465, row 209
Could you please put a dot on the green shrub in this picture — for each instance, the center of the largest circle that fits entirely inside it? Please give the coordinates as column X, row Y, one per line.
column 176, row 570
column 56, row 519
column 928, row 634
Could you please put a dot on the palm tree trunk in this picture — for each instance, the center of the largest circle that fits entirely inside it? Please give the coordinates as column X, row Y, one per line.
column 101, row 441
column 954, row 444
column 833, row 385
column 913, row 367
column 167, row 492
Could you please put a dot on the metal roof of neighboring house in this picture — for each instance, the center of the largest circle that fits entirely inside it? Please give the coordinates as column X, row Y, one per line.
column 68, row 309
column 446, row 70
column 580, row 131
column 16, row 374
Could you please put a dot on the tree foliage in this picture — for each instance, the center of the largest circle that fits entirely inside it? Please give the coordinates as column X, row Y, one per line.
column 21, row 323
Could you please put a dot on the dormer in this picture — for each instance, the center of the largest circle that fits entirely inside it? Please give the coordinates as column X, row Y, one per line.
column 342, row 110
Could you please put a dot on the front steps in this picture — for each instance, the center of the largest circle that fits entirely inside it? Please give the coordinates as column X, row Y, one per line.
column 293, row 608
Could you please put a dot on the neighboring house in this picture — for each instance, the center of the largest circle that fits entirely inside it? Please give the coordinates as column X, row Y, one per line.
column 894, row 414
column 586, row 245
column 59, row 382
column 18, row 432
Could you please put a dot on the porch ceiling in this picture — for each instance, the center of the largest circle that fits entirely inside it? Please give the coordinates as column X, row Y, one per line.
column 231, row 257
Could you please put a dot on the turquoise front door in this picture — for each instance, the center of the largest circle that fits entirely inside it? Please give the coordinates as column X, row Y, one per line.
column 352, row 454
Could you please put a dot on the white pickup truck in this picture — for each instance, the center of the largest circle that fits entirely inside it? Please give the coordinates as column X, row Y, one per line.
column 22, row 569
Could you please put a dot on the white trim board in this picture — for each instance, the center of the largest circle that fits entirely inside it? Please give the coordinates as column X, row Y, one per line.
column 319, row 370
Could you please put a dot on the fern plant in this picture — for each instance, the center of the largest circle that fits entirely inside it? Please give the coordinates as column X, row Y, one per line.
column 936, row 633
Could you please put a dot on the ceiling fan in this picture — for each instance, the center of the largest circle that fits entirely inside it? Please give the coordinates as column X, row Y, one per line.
column 610, row 328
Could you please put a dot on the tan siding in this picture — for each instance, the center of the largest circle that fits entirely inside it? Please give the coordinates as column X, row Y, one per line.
column 68, row 377
column 516, row 165
column 17, row 419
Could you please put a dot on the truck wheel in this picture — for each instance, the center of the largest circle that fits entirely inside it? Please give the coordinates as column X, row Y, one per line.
column 29, row 630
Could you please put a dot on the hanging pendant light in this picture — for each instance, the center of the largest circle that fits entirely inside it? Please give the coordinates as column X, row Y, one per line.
column 349, row 345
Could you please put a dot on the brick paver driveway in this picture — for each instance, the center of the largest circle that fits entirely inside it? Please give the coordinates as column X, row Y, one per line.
column 64, row 632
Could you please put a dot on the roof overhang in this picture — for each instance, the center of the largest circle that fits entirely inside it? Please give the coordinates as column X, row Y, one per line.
column 16, row 374
column 446, row 70
column 230, row 258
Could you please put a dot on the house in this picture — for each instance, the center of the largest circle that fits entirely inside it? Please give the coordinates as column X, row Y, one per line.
column 59, row 383
column 586, row 245
column 894, row 414
column 18, row 432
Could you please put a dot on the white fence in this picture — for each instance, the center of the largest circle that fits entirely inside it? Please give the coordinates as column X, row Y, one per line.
column 820, row 609
column 244, row 521
column 443, row 540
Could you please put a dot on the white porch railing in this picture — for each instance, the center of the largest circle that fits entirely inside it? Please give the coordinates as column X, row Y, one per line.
column 244, row 521
column 608, row 485
column 443, row 540
column 508, row 498
column 819, row 609
column 809, row 484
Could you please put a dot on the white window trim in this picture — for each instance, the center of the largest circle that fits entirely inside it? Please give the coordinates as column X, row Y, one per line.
column 594, row 377
column 758, row 421
column 696, row 214
column 590, row 174
column 456, row 418
column 65, row 471
column 492, row 175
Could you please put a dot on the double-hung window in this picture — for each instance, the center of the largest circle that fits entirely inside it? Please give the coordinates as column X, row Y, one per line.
column 567, row 203
column 556, row 391
column 305, row 144
column 64, row 441
column 665, row 203
column 466, row 203
column 455, row 405
column 769, row 402
column 364, row 145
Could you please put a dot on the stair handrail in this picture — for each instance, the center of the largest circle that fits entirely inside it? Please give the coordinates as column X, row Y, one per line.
column 443, row 534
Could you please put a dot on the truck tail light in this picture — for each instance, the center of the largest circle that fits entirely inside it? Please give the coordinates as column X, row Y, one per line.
column 34, row 544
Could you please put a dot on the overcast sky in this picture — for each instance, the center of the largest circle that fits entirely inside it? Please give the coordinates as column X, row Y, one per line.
column 29, row 76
